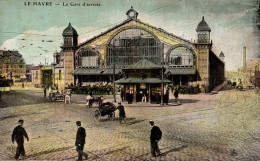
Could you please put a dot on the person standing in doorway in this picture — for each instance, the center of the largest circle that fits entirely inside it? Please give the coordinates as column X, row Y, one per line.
column 80, row 141
column 18, row 135
column 156, row 135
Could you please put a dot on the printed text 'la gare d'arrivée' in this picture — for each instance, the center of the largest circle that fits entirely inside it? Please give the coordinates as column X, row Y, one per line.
column 66, row 4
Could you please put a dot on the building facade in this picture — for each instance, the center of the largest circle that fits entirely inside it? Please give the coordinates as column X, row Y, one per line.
column 12, row 65
column 59, row 75
column 185, row 62
column 36, row 76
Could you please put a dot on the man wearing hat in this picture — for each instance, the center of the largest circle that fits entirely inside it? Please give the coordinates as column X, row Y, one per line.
column 18, row 134
column 121, row 112
column 155, row 136
column 80, row 141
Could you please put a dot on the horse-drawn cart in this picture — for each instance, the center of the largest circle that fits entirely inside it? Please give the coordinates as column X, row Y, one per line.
column 105, row 109
column 56, row 96
column 93, row 101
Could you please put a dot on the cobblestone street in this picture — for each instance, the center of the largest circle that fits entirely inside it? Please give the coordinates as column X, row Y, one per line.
column 224, row 126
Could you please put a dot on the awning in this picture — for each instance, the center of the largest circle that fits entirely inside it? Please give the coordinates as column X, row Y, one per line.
column 95, row 71
column 140, row 80
column 180, row 71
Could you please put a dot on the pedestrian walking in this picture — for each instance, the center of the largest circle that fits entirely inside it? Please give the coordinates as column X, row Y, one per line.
column 176, row 94
column 122, row 94
column 144, row 96
column 131, row 95
column 80, row 141
column 18, row 135
column 88, row 100
column 122, row 116
column 167, row 97
column 156, row 135
column 128, row 96
column 67, row 96
column 44, row 91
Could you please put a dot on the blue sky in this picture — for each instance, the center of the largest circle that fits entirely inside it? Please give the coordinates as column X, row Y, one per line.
column 35, row 31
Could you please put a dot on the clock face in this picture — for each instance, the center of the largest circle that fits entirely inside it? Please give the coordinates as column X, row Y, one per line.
column 132, row 14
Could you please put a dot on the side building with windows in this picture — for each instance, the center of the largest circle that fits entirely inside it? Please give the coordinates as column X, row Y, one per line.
column 59, row 81
column 183, row 62
column 12, row 65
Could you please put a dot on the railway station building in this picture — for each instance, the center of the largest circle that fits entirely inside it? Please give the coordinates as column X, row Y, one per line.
column 142, row 57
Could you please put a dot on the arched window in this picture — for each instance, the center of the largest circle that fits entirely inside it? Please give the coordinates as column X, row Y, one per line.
column 88, row 58
column 181, row 56
column 132, row 45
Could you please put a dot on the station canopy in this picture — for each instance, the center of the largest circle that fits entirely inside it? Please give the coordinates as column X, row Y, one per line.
column 141, row 80
column 95, row 71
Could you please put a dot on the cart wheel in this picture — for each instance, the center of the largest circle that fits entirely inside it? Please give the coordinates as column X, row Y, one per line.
column 111, row 116
column 97, row 115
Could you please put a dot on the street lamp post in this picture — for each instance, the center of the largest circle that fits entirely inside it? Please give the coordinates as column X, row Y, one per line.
column 114, row 72
column 162, row 90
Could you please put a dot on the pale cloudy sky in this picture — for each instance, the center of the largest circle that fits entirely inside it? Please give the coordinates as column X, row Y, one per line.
column 36, row 31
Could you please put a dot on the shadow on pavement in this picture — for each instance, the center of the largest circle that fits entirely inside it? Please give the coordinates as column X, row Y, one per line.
column 116, row 119
column 134, row 122
column 184, row 100
column 20, row 98
column 50, row 151
column 174, row 150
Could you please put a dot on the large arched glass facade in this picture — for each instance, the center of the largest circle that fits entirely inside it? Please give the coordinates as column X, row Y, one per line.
column 132, row 45
column 181, row 57
column 88, row 58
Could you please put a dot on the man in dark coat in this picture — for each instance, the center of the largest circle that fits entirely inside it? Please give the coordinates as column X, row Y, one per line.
column 44, row 91
column 18, row 134
column 155, row 136
column 176, row 95
column 166, row 97
column 121, row 112
column 80, row 141
column 122, row 94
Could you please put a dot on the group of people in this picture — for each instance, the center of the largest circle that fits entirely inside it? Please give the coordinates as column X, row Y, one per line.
column 155, row 135
column 19, row 133
column 66, row 94
column 130, row 96
column 90, row 100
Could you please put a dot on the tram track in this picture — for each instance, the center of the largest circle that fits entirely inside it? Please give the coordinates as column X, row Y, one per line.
column 219, row 102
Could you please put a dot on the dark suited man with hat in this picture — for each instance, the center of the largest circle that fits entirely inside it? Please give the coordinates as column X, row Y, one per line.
column 80, row 141
column 122, row 116
column 17, row 135
column 156, row 135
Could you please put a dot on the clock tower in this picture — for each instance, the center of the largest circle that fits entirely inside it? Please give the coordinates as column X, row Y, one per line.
column 132, row 14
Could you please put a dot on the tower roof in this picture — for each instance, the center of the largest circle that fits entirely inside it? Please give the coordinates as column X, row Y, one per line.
column 69, row 31
column 203, row 26
column 221, row 54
